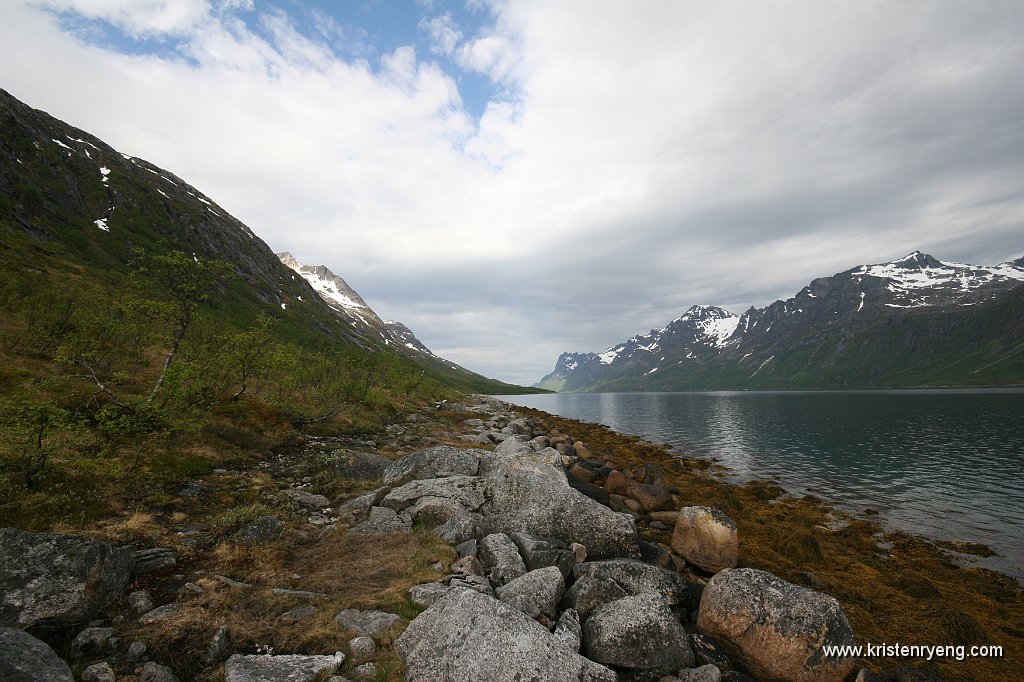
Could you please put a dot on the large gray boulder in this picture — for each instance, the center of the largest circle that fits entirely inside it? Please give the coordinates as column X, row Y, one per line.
column 437, row 462
column 514, row 445
column 776, row 629
column 383, row 521
column 521, row 500
column 23, row 658
column 468, row 636
column 357, row 509
column 458, row 494
column 638, row 632
column 536, row 594
column 49, row 579
column 636, row 577
column 286, row 668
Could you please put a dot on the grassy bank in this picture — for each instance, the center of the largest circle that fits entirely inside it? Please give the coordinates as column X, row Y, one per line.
column 895, row 587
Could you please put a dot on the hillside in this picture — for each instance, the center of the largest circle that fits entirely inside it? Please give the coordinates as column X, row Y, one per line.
column 73, row 207
column 916, row 321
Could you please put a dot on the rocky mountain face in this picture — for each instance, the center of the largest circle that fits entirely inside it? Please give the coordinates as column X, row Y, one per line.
column 349, row 306
column 914, row 321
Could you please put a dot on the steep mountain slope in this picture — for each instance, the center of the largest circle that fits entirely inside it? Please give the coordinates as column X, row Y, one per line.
column 350, row 307
column 76, row 210
column 914, row 321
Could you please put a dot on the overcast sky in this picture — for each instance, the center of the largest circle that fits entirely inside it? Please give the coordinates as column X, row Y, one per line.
column 517, row 179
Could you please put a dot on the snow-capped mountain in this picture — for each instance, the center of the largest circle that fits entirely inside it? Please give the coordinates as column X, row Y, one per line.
column 350, row 306
column 889, row 312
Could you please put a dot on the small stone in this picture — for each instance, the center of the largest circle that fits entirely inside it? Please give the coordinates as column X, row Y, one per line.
column 98, row 672
column 218, row 646
column 140, row 602
column 91, row 641
column 290, row 668
column 705, row 673
column 296, row 615
column 136, row 653
column 568, row 630
column 366, row 671
column 427, row 593
column 370, row 623
column 304, row 594
column 192, row 588
column 362, row 648
column 160, row 613
column 468, row 565
column 154, row 672
column 155, row 559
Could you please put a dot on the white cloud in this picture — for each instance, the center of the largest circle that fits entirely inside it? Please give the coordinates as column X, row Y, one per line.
column 141, row 17
column 636, row 161
column 444, row 33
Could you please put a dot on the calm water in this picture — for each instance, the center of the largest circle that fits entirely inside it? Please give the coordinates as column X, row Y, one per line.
column 947, row 464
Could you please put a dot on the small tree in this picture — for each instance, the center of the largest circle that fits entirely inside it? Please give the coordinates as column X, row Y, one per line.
column 184, row 283
column 32, row 426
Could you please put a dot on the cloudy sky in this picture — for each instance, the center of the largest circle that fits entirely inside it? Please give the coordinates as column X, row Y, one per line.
column 516, row 179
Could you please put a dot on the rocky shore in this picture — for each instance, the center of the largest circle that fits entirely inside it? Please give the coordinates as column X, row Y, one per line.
column 532, row 551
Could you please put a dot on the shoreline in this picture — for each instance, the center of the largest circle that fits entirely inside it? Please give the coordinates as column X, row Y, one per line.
column 1001, row 548
column 895, row 586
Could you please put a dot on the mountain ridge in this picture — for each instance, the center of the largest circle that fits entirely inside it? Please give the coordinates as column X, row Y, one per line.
column 821, row 320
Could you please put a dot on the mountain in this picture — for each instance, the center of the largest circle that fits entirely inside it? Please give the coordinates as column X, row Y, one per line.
column 80, row 213
column 914, row 321
column 350, row 307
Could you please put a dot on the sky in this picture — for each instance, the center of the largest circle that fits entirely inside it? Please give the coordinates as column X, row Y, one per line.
column 514, row 179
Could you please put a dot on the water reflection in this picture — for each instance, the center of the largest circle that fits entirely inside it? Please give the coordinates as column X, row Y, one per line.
column 943, row 463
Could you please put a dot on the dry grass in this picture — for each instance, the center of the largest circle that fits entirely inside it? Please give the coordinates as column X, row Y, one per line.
column 353, row 571
column 911, row 592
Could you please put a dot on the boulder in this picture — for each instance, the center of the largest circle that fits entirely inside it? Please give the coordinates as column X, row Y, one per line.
column 296, row 615
column 441, row 497
column 706, row 537
column 287, row 668
column 638, row 632
column 440, row 461
column 23, row 658
column 536, row 594
column 383, row 521
column 524, row 501
column 469, row 636
column 140, row 602
column 466, row 549
column 539, row 552
column 636, row 577
column 776, row 629
column 218, row 647
column 581, row 473
column 520, row 427
column 370, row 623
column 651, row 496
column 50, row 579
column 501, row 559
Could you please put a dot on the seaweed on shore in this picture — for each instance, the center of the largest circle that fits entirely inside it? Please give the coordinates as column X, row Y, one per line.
column 896, row 587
